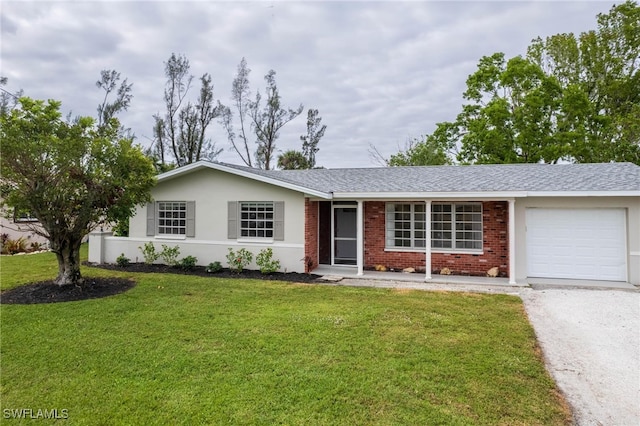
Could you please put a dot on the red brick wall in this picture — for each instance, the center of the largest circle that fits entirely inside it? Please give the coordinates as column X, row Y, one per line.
column 310, row 234
column 495, row 244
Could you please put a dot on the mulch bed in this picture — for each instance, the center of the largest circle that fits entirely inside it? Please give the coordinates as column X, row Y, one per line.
column 202, row 272
column 48, row 292
column 94, row 288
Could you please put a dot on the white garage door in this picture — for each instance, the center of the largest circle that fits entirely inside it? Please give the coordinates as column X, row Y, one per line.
column 585, row 244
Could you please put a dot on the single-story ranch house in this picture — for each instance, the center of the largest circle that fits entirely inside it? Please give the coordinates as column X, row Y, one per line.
column 569, row 221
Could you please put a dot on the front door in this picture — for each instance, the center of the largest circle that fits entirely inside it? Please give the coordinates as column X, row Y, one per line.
column 344, row 235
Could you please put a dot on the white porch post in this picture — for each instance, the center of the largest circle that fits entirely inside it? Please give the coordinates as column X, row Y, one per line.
column 427, row 240
column 512, row 241
column 360, row 238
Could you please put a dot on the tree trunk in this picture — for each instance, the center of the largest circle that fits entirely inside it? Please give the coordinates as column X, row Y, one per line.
column 68, row 255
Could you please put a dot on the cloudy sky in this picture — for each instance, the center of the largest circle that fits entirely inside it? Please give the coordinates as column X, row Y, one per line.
column 378, row 72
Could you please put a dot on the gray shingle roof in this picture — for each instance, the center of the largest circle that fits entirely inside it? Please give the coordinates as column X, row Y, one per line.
column 477, row 178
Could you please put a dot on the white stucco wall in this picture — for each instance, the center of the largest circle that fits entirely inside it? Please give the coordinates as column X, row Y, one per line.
column 630, row 204
column 211, row 190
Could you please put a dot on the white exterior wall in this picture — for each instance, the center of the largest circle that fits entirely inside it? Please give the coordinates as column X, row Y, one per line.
column 211, row 190
column 630, row 204
column 16, row 230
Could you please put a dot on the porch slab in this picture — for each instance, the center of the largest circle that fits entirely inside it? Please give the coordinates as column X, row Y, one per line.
column 349, row 272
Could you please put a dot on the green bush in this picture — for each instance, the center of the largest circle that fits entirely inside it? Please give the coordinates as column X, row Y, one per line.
column 266, row 263
column 239, row 260
column 149, row 253
column 214, row 267
column 170, row 255
column 188, row 263
column 36, row 246
column 122, row 260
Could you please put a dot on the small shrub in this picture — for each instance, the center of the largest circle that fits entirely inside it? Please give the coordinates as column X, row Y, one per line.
column 149, row 253
column 214, row 267
column 266, row 263
column 188, row 263
column 123, row 260
column 239, row 260
column 15, row 246
column 36, row 246
column 170, row 255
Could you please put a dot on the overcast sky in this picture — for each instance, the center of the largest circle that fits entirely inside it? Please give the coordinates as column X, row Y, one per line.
column 378, row 72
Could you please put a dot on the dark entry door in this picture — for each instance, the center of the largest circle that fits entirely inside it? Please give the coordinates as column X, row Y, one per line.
column 325, row 238
column 344, row 235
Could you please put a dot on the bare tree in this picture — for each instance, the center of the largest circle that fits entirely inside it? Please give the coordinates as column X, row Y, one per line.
column 8, row 100
column 109, row 82
column 240, row 94
column 182, row 130
column 268, row 120
column 315, row 132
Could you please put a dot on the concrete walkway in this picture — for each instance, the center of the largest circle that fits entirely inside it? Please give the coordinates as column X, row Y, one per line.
column 345, row 275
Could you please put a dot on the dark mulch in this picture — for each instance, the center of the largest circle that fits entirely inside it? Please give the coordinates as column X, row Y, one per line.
column 93, row 288
column 48, row 292
column 201, row 271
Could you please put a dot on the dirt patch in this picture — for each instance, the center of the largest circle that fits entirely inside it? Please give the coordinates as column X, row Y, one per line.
column 202, row 272
column 48, row 292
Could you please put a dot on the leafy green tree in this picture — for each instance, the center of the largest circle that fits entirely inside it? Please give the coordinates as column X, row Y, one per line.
column 510, row 114
column 571, row 98
column 598, row 72
column 293, row 160
column 71, row 176
column 315, row 132
column 420, row 152
column 182, row 132
column 268, row 120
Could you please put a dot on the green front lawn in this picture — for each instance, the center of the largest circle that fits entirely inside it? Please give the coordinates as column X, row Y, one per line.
column 189, row 350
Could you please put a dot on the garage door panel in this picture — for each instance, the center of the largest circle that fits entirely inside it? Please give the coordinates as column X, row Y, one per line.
column 576, row 243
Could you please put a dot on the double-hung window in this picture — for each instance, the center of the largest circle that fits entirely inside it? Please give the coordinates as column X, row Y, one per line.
column 172, row 218
column 454, row 226
column 262, row 221
column 256, row 219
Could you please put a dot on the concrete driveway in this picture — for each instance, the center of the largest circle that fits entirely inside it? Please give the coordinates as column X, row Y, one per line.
column 591, row 343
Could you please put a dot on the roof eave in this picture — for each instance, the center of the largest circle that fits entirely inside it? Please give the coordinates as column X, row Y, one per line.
column 479, row 195
column 243, row 173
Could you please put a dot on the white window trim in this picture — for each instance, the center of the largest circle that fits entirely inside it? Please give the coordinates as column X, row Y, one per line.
column 170, row 237
column 412, row 230
column 433, row 250
column 444, row 250
column 257, row 240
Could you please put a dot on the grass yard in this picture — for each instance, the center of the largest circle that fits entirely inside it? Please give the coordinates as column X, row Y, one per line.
column 188, row 350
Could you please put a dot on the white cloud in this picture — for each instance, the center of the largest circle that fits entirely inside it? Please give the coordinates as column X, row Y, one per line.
column 379, row 72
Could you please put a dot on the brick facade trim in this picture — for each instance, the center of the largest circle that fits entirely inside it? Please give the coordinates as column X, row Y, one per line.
column 495, row 253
